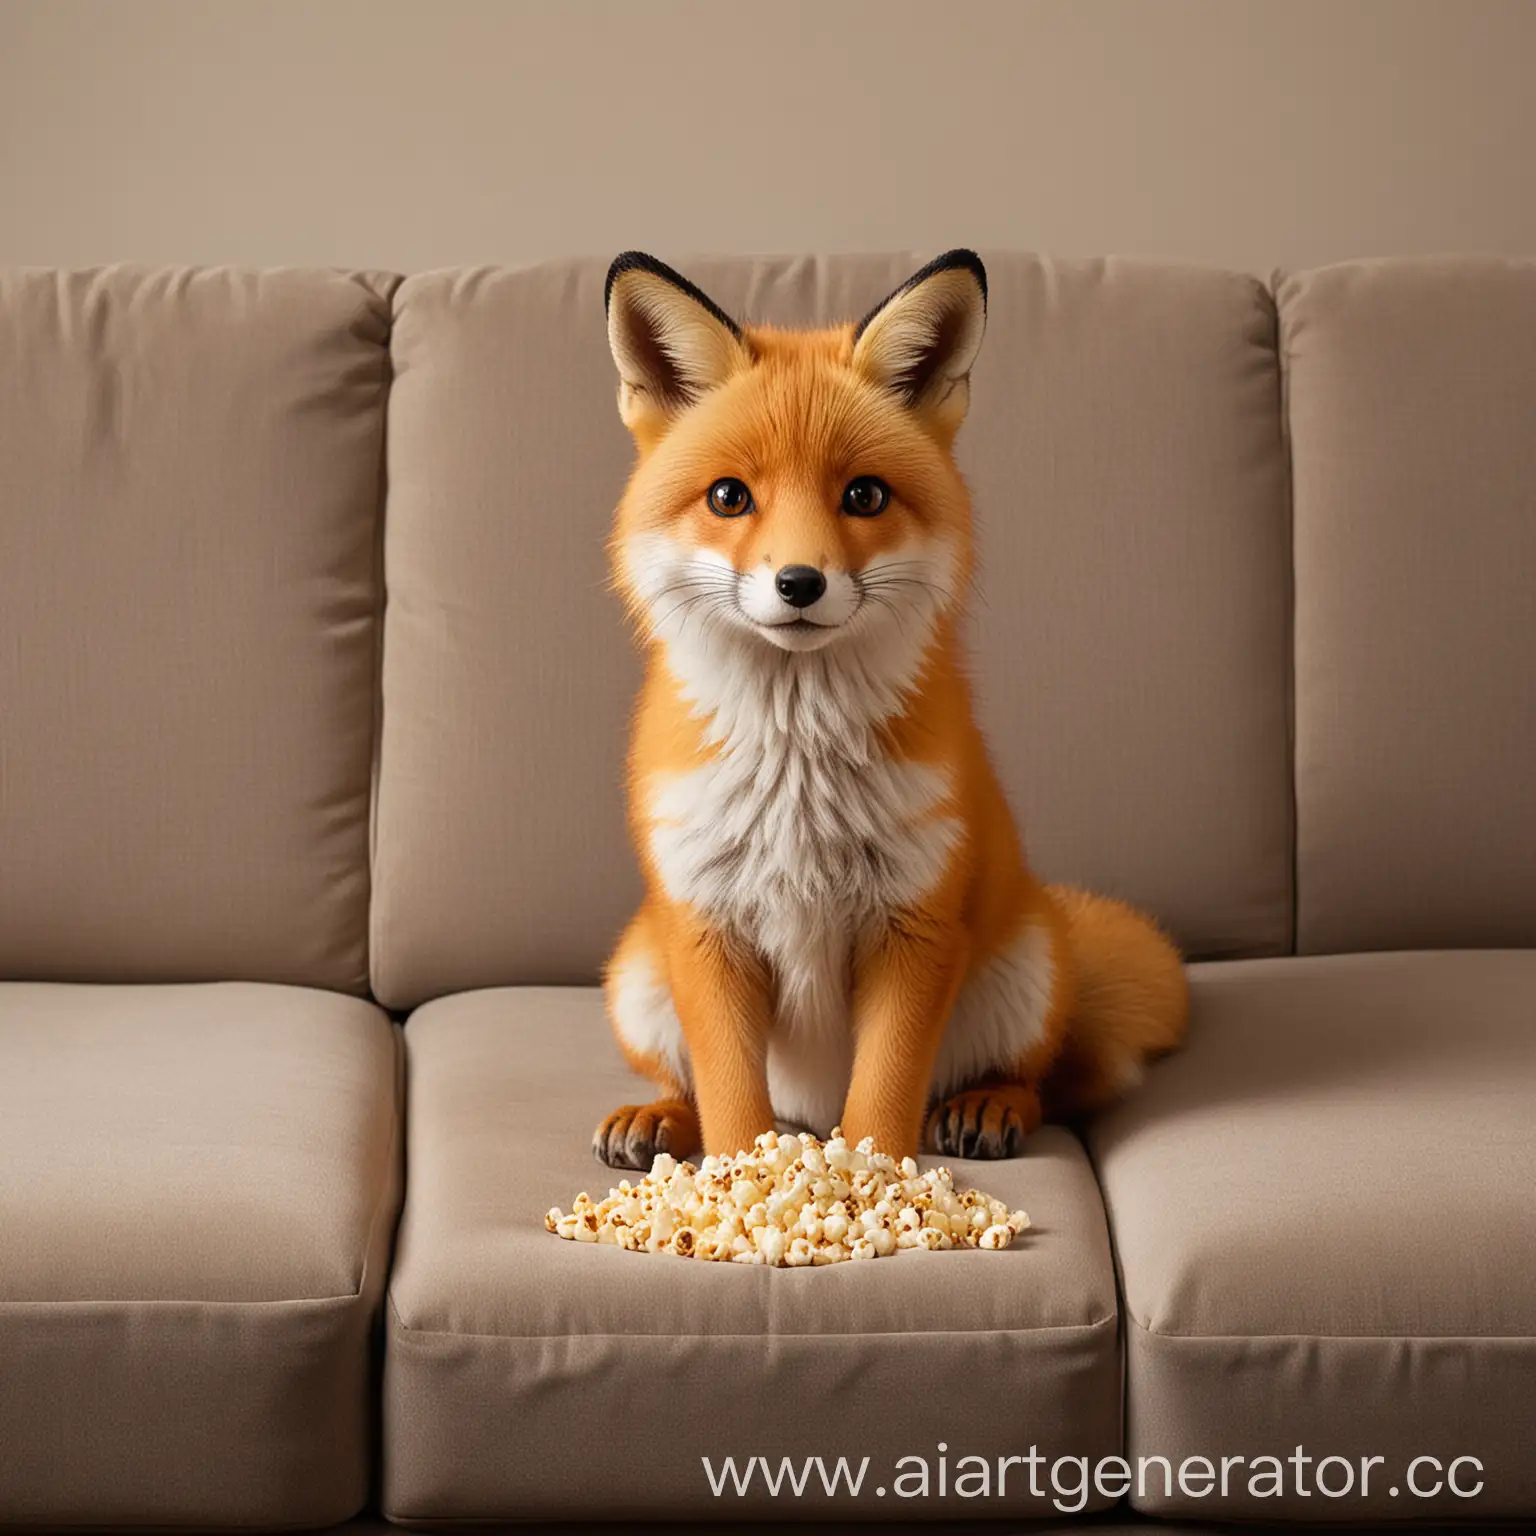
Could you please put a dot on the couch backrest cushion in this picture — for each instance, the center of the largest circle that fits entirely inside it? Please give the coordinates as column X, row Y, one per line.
column 1412, row 404
column 1131, row 637
column 190, row 490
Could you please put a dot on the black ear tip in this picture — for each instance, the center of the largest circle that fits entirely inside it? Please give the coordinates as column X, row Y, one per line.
column 638, row 261
column 959, row 258
column 962, row 257
column 628, row 261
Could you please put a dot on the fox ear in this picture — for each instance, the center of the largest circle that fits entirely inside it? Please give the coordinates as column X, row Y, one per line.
column 670, row 342
column 921, row 341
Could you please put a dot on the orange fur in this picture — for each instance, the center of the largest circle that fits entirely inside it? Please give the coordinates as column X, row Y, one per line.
column 1131, row 1003
column 795, row 417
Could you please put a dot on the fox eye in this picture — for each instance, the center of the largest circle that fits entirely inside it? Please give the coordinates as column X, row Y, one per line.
column 866, row 497
column 729, row 497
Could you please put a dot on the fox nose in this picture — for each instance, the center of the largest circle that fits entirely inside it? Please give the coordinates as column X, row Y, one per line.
column 800, row 585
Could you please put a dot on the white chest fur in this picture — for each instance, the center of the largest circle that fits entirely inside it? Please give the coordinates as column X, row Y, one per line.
column 797, row 836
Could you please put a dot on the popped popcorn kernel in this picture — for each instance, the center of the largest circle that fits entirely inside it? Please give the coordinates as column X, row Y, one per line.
column 790, row 1202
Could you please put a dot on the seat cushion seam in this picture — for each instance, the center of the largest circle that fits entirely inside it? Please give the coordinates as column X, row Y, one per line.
column 890, row 1333
column 336, row 1302
column 1326, row 1338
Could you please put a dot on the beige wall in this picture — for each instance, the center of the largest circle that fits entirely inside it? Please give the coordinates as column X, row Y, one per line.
column 417, row 133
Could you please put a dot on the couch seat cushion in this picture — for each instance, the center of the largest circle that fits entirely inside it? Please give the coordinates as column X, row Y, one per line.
column 1324, row 1212
column 529, row 1377
column 197, row 1192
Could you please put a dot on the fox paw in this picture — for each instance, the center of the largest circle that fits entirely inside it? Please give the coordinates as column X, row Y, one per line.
column 632, row 1135
column 984, row 1122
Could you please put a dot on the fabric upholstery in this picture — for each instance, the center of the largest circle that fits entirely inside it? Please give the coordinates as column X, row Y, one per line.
column 1411, row 387
column 198, row 1188
column 1131, row 635
column 532, row 1378
column 189, row 589
column 1324, row 1214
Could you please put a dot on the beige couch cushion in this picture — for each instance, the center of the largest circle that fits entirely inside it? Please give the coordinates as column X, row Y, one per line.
column 198, row 1188
column 1324, row 1213
column 189, row 520
column 1412, row 391
column 532, row 1378
column 1131, row 635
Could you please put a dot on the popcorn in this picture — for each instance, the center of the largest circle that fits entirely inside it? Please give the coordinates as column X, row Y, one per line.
column 790, row 1202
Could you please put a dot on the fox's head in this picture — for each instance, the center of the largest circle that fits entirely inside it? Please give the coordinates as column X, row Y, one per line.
column 794, row 489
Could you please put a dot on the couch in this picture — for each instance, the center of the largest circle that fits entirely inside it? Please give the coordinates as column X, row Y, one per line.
column 312, row 712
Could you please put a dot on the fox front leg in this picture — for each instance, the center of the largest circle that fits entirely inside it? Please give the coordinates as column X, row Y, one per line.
column 722, row 1000
column 903, row 991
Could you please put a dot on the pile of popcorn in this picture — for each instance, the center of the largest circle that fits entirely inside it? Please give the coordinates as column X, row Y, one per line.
column 790, row 1200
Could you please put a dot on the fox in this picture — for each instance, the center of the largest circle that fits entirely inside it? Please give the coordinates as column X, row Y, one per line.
column 838, row 923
